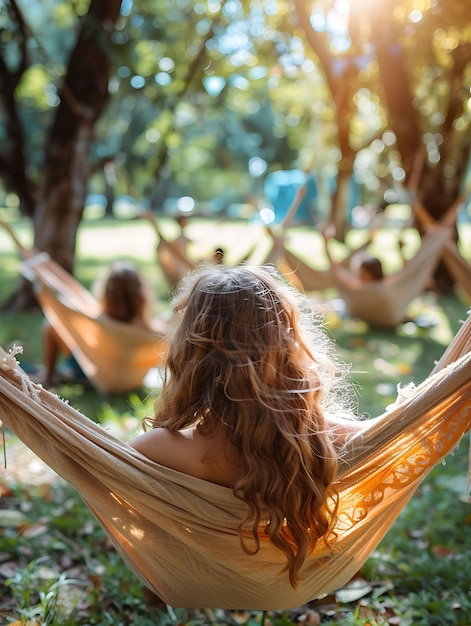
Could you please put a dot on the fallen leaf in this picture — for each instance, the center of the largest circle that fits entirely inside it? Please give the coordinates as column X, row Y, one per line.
column 353, row 591
column 442, row 551
column 310, row 618
column 34, row 530
column 11, row 518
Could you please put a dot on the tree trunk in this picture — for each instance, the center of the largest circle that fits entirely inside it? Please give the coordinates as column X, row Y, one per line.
column 12, row 152
column 67, row 166
column 342, row 84
column 438, row 193
column 440, row 184
column 436, row 190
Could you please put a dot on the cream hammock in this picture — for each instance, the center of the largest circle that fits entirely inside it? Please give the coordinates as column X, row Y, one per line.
column 114, row 356
column 383, row 303
column 178, row 533
column 306, row 277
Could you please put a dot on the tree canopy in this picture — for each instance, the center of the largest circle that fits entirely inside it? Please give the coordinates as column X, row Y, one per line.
column 205, row 99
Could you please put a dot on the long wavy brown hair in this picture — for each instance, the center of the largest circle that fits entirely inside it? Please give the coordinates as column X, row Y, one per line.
column 248, row 359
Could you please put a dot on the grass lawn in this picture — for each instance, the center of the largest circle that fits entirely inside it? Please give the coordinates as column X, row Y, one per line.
column 421, row 572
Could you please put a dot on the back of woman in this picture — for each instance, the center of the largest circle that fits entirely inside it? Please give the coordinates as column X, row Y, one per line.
column 249, row 382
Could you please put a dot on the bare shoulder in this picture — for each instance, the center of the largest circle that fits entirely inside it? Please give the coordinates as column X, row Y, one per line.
column 179, row 450
column 189, row 452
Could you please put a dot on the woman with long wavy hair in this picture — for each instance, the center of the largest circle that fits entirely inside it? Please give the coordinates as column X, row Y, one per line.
column 248, row 401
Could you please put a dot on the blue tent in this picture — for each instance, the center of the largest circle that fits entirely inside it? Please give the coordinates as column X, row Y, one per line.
column 281, row 187
column 280, row 190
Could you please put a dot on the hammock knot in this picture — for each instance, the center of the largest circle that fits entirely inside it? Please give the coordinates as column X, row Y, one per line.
column 406, row 392
column 8, row 363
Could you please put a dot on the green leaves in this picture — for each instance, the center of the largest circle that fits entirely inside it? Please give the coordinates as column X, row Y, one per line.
column 34, row 87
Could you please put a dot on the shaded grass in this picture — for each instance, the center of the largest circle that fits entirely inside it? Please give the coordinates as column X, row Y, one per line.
column 418, row 575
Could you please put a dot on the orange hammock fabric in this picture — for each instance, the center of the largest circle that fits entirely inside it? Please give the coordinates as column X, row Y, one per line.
column 383, row 303
column 178, row 533
column 114, row 356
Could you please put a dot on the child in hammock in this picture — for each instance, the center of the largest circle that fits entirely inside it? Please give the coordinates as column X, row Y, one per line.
column 124, row 297
column 247, row 402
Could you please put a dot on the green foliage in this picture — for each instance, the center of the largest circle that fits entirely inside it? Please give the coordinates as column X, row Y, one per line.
column 48, row 609
column 198, row 89
column 161, row 59
column 33, row 87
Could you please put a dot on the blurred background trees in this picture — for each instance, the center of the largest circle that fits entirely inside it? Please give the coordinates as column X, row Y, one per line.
column 203, row 100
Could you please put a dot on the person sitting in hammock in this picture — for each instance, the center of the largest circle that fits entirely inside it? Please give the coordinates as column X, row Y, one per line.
column 248, row 401
column 124, row 297
column 383, row 303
